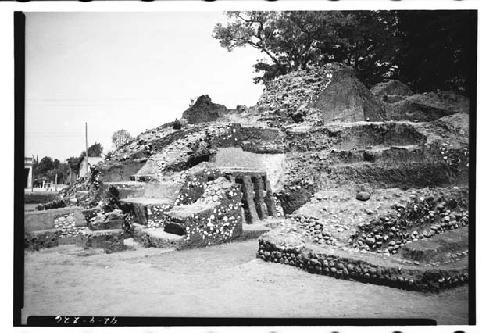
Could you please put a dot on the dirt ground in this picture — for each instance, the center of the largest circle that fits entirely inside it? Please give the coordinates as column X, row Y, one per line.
column 221, row 281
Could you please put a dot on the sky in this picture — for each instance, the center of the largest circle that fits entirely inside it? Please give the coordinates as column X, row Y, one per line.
column 130, row 71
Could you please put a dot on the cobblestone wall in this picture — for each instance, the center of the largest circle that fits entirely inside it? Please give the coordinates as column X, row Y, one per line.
column 345, row 267
column 212, row 219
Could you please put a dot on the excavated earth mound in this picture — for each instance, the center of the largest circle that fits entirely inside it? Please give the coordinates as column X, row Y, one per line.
column 366, row 199
column 204, row 110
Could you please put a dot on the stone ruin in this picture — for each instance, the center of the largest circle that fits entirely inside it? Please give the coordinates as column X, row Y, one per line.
column 330, row 134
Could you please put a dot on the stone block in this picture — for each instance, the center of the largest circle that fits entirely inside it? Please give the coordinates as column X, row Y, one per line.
column 111, row 240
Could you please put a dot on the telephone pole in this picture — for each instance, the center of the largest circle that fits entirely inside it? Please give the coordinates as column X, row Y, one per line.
column 86, row 150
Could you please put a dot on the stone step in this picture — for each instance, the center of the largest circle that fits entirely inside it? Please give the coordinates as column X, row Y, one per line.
column 442, row 247
column 127, row 189
column 156, row 237
column 253, row 231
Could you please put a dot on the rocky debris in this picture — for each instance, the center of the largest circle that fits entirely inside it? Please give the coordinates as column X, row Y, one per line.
column 317, row 95
column 190, row 149
column 456, row 126
column 204, row 110
column 427, row 106
column 390, row 87
column 342, row 265
column 87, row 192
column 35, row 240
column 106, row 221
column 363, row 196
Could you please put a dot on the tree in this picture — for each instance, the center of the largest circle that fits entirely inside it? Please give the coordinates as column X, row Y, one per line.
column 121, row 137
column 298, row 39
column 429, row 50
column 46, row 164
column 439, row 49
column 95, row 150
column 74, row 164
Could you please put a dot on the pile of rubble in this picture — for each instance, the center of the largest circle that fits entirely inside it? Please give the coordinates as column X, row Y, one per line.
column 317, row 95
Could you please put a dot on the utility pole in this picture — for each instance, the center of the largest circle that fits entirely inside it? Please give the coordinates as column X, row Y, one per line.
column 86, row 150
column 33, row 170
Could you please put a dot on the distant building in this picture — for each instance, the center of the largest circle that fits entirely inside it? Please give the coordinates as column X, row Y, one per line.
column 87, row 162
column 28, row 172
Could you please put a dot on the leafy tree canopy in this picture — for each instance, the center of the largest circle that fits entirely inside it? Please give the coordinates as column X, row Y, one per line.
column 426, row 49
column 95, row 150
column 74, row 163
column 121, row 137
column 47, row 168
column 45, row 164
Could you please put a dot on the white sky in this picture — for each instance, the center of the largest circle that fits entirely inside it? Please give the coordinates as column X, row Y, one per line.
column 123, row 70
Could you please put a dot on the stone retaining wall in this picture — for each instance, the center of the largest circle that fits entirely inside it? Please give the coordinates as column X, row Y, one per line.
column 421, row 218
column 38, row 197
column 44, row 220
column 344, row 267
